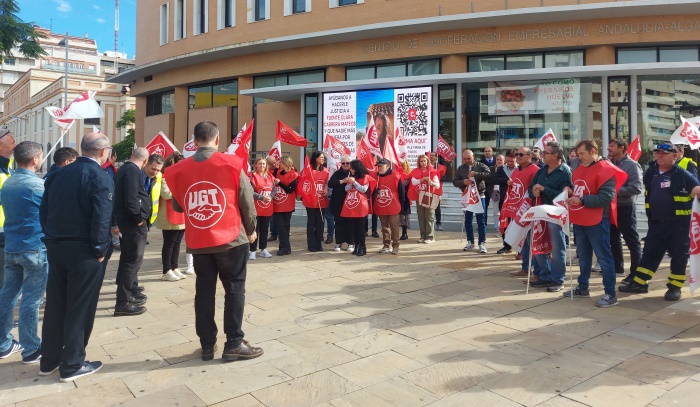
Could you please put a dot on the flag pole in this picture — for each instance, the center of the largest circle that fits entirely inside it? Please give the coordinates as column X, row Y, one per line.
column 63, row 133
column 571, row 269
column 529, row 263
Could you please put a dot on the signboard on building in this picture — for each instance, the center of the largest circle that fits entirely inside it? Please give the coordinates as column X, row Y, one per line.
column 533, row 97
column 380, row 115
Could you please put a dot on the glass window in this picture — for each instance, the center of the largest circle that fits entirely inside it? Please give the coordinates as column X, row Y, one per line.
column 9, row 61
column 201, row 96
column 354, row 73
column 298, row 6
column 391, row 71
column 636, row 55
column 226, row 94
column 164, row 24
column 487, row 64
column 168, row 102
column 259, row 10
column 523, row 61
column 311, row 121
column 346, row 2
column 558, row 59
column 311, row 106
column 298, row 78
column 678, row 54
column 424, row 68
column 269, row 81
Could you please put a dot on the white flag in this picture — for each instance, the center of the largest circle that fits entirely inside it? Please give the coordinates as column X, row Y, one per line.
column 688, row 133
column 95, row 129
column 276, row 150
column 546, row 138
column 694, row 260
column 82, row 107
column 471, row 201
column 189, row 148
column 515, row 235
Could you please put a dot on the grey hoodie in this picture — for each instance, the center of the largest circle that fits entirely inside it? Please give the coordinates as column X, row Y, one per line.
column 633, row 186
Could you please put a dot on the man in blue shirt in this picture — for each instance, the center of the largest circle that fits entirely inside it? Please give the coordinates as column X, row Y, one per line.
column 26, row 266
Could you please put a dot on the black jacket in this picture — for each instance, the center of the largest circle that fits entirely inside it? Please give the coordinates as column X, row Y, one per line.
column 132, row 204
column 77, row 205
column 338, row 194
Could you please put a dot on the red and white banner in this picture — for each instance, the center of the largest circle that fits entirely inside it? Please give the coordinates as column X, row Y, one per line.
column 82, row 107
column 240, row 146
column 516, row 232
column 694, row 260
column 547, row 137
column 680, row 135
column 372, row 139
column 161, row 145
column 335, row 149
column 276, row 150
column 400, row 146
column 542, row 244
column 444, row 149
column 390, row 154
column 634, row 150
column 288, row 135
column 689, row 134
column 189, row 148
column 365, row 155
column 471, row 201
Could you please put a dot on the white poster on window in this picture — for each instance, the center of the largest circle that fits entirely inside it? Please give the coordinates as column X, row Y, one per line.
column 533, row 97
column 339, row 118
column 412, row 113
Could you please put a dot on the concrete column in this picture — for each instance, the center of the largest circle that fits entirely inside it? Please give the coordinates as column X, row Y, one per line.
column 605, row 112
column 633, row 108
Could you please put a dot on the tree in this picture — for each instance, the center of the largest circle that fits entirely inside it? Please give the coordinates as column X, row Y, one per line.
column 125, row 146
column 15, row 33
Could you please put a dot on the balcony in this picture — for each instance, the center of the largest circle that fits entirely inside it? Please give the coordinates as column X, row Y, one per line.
column 58, row 68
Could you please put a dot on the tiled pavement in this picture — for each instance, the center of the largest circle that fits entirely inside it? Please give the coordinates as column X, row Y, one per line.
column 432, row 326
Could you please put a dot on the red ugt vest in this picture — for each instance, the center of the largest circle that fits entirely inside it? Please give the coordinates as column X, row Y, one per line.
column 587, row 181
column 210, row 204
column 356, row 204
column 414, row 190
column 441, row 171
column 312, row 189
column 282, row 201
column 387, row 198
column 262, row 186
column 517, row 191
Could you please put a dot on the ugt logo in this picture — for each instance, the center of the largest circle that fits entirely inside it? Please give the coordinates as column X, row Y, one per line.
column 695, row 234
column 280, row 196
column 352, row 199
column 206, row 203
column 265, row 192
column 580, row 189
column 384, row 196
column 158, row 149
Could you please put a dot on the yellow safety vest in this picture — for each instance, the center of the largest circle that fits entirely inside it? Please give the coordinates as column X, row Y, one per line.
column 155, row 196
column 683, row 163
column 3, row 178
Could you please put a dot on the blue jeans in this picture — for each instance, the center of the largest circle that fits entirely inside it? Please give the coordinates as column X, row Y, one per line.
column 590, row 239
column 25, row 272
column 480, row 224
column 330, row 221
column 558, row 263
column 540, row 262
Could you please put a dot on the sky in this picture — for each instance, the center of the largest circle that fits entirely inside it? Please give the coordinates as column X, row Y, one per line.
column 77, row 17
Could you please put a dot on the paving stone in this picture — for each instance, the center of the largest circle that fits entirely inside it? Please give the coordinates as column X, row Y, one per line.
column 105, row 393
column 373, row 343
column 450, row 376
column 474, row 397
column 303, row 363
column 597, row 391
column 178, row 395
column 435, row 349
column 235, row 383
column 396, row 392
column 660, row 372
column 306, row 391
column 648, row 331
column 376, row 368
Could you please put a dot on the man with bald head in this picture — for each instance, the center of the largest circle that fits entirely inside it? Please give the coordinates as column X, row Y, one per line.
column 471, row 171
column 75, row 216
column 132, row 210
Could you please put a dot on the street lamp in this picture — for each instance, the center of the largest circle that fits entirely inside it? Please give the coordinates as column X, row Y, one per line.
column 65, row 78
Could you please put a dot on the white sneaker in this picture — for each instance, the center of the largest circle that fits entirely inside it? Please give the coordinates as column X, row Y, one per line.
column 252, row 256
column 597, row 268
column 337, row 248
column 428, row 241
column 351, row 247
column 190, row 265
column 264, row 253
column 482, row 248
column 421, row 240
column 385, row 249
column 170, row 276
column 188, row 271
column 179, row 274
column 469, row 247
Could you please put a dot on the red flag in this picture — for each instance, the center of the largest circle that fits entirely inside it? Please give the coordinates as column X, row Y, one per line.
column 240, row 145
column 542, row 244
column 444, row 149
column 161, row 145
column 189, row 148
column 305, row 186
column 634, row 150
column 400, row 146
column 289, row 136
column 390, row 154
column 365, row 155
column 335, row 149
column 276, row 150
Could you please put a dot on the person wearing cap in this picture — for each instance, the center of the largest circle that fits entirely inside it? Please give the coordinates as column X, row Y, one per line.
column 387, row 200
column 7, row 145
column 668, row 200
column 685, row 162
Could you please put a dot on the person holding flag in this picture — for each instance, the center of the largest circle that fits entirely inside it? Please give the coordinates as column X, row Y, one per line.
column 626, row 208
column 481, row 174
column 442, row 170
column 313, row 189
column 424, row 179
column 592, row 208
column 263, row 184
column 357, row 205
column 668, row 199
column 387, row 202
column 283, row 202
column 337, row 183
column 501, row 177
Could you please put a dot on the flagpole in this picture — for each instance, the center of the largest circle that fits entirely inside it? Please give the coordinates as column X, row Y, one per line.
column 529, row 263
column 63, row 133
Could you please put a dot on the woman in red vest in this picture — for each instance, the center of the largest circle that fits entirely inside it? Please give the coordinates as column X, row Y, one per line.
column 284, row 201
column 357, row 206
column 263, row 186
column 172, row 224
column 424, row 178
column 313, row 189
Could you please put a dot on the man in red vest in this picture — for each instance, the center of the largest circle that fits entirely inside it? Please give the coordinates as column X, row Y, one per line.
column 217, row 199
column 388, row 198
column 592, row 208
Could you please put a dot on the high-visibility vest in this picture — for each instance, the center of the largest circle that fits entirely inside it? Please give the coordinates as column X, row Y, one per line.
column 155, row 196
column 683, row 163
column 3, row 178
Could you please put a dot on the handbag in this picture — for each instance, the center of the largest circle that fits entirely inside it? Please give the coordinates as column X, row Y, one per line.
column 428, row 199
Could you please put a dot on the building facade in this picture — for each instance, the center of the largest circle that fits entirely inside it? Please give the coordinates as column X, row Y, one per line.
column 479, row 73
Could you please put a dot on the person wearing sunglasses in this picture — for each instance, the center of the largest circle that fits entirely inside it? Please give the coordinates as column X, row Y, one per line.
column 337, row 183
column 668, row 204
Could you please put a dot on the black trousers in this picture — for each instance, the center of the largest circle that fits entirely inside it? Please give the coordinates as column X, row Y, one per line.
column 261, row 229
column 438, row 215
column 314, row 229
column 343, row 231
column 283, row 219
column 72, row 290
column 230, row 268
column 375, row 222
column 170, row 254
column 627, row 227
column 133, row 244
column 358, row 230
column 671, row 236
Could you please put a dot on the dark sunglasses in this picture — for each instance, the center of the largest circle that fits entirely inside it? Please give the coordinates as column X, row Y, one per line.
column 522, row 154
column 342, row 163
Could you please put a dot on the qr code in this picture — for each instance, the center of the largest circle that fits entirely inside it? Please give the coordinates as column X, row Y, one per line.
column 412, row 109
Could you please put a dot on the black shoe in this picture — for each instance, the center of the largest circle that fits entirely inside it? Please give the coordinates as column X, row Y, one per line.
column 555, row 287
column 208, row 352
column 404, row 237
column 140, row 289
column 628, row 279
column 139, row 296
column 673, row 294
column 272, row 238
column 541, row 284
column 283, row 252
column 362, row 251
column 33, row 358
column 375, row 234
column 136, row 302
column 242, row 351
column 504, row 250
column 88, row 368
column 128, row 310
column 634, row 288
column 329, row 240
column 356, row 249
